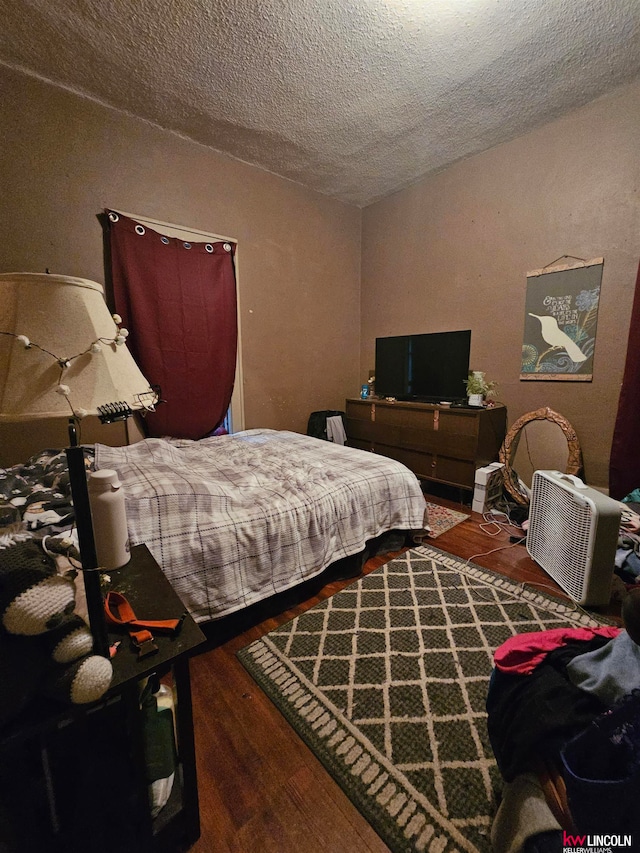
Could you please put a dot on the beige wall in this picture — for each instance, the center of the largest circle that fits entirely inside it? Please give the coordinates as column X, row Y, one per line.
column 452, row 252
column 65, row 158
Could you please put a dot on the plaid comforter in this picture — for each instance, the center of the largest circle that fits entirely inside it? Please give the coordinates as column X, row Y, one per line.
column 237, row 518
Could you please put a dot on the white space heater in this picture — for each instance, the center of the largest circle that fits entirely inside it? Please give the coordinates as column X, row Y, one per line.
column 573, row 534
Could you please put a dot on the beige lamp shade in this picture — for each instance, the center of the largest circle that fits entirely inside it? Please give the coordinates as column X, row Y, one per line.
column 61, row 352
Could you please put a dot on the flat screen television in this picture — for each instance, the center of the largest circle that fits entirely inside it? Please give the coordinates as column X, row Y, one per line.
column 429, row 368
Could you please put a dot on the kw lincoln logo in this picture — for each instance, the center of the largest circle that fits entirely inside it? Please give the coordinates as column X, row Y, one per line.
column 595, row 843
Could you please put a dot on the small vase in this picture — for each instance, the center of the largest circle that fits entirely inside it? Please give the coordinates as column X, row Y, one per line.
column 475, row 399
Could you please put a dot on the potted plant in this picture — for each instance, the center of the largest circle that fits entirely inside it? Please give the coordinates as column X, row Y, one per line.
column 479, row 388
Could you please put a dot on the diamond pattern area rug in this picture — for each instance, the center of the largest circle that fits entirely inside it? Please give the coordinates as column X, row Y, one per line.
column 386, row 683
column 441, row 519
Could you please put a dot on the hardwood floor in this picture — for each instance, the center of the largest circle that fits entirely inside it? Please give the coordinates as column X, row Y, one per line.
column 261, row 789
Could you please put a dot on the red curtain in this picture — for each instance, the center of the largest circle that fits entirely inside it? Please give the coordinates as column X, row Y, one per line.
column 178, row 301
column 624, row 464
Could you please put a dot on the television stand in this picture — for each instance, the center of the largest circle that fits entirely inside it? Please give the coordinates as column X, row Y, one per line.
column 441, row 443
column 417, row 399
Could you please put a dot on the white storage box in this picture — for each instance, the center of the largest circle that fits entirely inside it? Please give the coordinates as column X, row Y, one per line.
column 488, row 487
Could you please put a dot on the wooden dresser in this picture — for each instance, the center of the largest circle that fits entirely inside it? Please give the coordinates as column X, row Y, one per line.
column 438, row 443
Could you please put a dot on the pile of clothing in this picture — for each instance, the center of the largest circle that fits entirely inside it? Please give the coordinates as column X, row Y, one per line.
column 566, row 702
column 628, row 551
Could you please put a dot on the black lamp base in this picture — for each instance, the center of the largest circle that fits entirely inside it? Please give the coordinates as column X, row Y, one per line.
column 86, row 541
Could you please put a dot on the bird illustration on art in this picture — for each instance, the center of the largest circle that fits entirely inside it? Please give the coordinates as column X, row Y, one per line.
column 555, row 337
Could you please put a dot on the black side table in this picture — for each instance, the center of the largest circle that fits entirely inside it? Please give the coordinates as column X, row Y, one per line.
column 151, row 596
column 74, row 779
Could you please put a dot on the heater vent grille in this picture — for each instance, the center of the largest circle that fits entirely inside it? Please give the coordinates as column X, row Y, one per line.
column 573, row 533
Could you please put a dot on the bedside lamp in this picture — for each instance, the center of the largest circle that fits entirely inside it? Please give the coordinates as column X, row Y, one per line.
column 63, row 354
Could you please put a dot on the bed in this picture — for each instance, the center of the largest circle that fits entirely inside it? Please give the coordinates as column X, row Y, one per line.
column 234, row 519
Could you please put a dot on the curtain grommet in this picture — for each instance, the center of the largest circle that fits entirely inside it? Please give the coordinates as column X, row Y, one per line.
column 226, row 247
column 140, row 229
column 113, row 216
column 187, row 245
column 209, row 248
column 164, row 240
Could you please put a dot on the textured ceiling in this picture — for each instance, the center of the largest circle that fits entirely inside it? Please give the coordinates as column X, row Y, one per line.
column 354, row 98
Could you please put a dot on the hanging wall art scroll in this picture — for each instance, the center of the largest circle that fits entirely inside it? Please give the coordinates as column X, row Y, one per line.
column 561, row 315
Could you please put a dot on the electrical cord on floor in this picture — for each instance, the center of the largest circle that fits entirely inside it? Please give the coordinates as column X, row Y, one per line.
column 493, row 550
column 499, row 518
column 492, row 519
column 524, row 585
column 496, row 521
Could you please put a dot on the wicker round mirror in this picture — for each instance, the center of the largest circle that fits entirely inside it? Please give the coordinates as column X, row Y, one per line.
column 550, row 443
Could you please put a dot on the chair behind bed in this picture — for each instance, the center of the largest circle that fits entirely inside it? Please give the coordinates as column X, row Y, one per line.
column 317, row 425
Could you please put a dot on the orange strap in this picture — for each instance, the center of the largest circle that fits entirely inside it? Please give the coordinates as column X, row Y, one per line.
column 119, row 612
